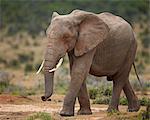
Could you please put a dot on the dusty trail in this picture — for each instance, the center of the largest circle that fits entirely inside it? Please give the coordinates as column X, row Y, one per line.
column 19, row 108
column 16, row 110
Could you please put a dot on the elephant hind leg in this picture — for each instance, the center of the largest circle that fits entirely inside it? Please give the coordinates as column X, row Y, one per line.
column 121, row 78
column 117, row 88
column 119, row 81
column 133, row 103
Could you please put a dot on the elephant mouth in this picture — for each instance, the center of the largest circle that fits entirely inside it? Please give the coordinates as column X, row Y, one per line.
column 57, row 66
column 51, row 70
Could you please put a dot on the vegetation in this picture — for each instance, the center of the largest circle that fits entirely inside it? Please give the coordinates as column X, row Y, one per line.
column 40, row 116
column 145, row 114
column 61, row 87
column 144, row 101
column 22, row 36
column 34, row 16
column 142, row 115
column 137, row 87
column 102, row 95
column 7, row 87
column 22, row 27
column 28, row 67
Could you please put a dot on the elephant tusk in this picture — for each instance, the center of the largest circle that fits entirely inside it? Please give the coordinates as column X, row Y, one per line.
column 40, row 67
column 57, row 66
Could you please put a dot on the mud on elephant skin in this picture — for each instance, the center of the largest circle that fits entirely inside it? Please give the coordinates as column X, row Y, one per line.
column 100, row 44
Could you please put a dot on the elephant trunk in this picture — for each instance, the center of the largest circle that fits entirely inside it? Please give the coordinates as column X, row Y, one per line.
column 49, row 68
column 50, row 63
column 48, row 85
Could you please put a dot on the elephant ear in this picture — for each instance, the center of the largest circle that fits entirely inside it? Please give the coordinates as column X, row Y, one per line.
column 55, row 14
column 92, row 31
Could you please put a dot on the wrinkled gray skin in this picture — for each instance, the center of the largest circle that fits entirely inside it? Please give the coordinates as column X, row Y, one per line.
column 99, row 44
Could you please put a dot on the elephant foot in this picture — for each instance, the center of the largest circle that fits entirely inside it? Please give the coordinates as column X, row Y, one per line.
column 67, row 112
column 134, row 107
column 112, row 109
column 84, row 111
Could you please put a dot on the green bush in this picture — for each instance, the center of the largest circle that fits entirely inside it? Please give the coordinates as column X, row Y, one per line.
column 37, row 66
column 102, row 100
column 144, row 101
column 101, row 91
column 2, row 60
column 23, row 58
column 15, row 46
column 3, row 86
column 28, row 67
column 35, row 43
column 61, row 87
column 40, row 116
column 107, row 91
column 123, row 101
column 27, row 43
column 93, row 93
column 102, row 95
column 14, row 63
column 144, row 114
column 106, row 100
column 145, row 85
column 12, row 89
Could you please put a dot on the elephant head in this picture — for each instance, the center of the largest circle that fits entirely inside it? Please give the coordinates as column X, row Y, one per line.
column 79, row 31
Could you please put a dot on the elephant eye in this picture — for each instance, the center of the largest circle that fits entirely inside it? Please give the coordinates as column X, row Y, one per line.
column 66, row 35
column 45, row 32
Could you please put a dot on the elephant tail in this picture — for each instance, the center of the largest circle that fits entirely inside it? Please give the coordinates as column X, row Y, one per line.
column 137, row 75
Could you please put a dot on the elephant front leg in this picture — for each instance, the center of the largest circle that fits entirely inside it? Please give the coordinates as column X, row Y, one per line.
column 84, row 101
column 80, row 68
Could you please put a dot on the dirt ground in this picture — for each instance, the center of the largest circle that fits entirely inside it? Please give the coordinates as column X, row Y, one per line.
column 20, row 107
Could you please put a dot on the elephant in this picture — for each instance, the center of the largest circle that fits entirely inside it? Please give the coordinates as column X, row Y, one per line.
column 98, row 44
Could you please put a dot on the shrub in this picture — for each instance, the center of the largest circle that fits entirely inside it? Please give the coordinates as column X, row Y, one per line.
column 61, row 87
column 101, row 100
column 137, row 87
column 144, row 101
column 28, row 67
column 15, row 46
column 15, row 89
column 12, row 89
column 35, row 43
column 37, row 66
column 144, row 114
column 93, row 93
column 14, row 63
column 2, row 60
column 101, row 91
column 103, row 96
column 27, row 43
column 40, row 116
column 5, row 77
column 123, row 101
column 107, row 92
column 106, row 100
column 3, row 87
column 25, row 57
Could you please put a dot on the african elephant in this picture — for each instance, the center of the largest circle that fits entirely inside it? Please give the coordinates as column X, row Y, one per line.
column 100, row 44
